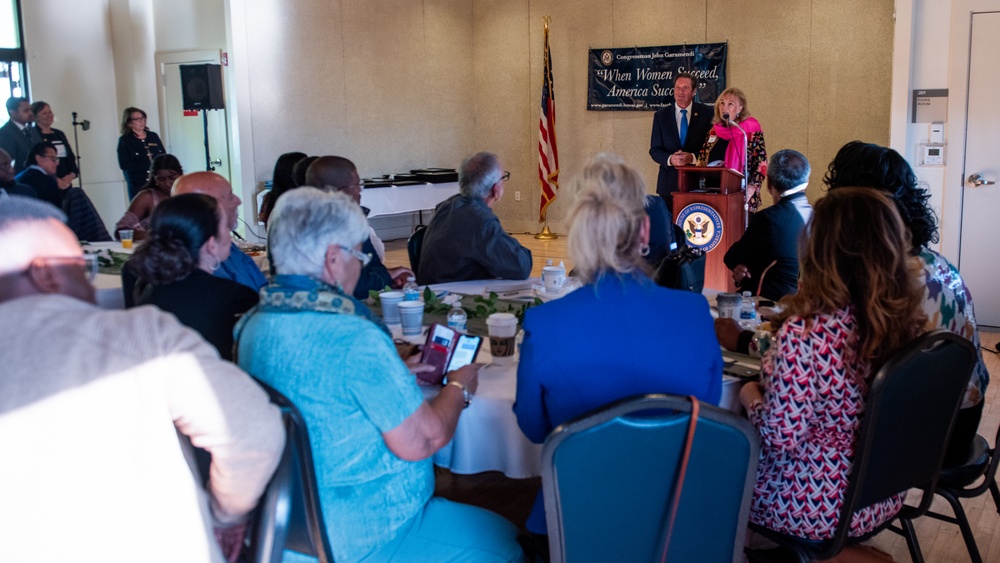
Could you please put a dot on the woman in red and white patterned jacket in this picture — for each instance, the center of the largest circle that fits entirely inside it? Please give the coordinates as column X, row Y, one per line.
column 859, row 300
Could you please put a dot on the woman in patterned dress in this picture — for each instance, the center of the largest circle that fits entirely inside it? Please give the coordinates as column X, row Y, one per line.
column 725, row 142
column 860, row 299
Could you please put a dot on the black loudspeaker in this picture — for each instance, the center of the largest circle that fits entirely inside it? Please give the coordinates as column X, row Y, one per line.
column 201, row 86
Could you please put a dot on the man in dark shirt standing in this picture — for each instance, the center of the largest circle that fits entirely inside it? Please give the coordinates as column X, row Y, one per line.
column 16, row 136
column 464, row 240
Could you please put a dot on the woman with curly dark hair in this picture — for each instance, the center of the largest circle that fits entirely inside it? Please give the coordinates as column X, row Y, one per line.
column 947, row 301
column 188, row 239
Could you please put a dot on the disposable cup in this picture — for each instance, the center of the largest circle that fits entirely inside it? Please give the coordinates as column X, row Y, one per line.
column 390, row 306
column 503, row 331
column 411, row 315
column 126, row 236
column 553, row 277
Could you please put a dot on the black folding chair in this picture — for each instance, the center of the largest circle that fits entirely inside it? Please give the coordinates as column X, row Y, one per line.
column 289, row 514
column 909, row 413
column 959, row 481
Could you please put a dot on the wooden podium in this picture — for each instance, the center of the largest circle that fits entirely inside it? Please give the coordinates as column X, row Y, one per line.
column 720, row 189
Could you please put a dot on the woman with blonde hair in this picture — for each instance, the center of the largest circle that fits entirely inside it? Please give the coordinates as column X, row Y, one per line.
column 725, row 142
column 860, row 299
column 620, row 334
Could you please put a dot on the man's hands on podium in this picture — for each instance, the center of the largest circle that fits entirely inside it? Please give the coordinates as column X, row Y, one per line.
column 681, row 158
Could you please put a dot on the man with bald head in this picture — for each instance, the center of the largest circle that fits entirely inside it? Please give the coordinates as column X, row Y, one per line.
column 239, row 267
column 336, row 173
column 92, row 403
column 7, row 181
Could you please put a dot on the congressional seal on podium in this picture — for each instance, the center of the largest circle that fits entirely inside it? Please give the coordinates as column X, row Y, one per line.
column 702, row 226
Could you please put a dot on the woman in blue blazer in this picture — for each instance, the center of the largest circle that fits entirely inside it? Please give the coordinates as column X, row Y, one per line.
column 620, row 334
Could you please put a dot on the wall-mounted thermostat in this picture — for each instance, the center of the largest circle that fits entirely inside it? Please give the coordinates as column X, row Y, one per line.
column 932, row 154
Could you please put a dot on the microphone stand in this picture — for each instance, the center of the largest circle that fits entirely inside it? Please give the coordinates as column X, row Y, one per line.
column 76, row 147
column 746, row 175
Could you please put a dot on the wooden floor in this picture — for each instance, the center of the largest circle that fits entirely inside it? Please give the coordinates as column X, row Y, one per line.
column 940, row 542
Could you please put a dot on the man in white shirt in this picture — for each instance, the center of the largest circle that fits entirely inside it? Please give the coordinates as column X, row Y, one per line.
column 679, row 131
column 93, row 408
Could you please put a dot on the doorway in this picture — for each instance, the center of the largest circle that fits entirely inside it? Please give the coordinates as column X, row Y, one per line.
column 183, row 132
column 980, row 231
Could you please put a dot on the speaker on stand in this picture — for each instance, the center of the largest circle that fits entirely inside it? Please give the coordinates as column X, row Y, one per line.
column 201, row 88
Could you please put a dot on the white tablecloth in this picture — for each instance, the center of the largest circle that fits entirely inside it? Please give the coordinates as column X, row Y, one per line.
column 406, row 199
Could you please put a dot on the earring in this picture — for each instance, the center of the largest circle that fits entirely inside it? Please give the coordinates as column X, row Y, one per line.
column 644, row 250
column 215, row 263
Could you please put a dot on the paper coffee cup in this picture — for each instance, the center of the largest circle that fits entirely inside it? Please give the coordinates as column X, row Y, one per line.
column 503, row 332
column 390, row 306
column 411, row 316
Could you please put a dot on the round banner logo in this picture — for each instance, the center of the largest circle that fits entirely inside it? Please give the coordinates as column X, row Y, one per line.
column 702, row 226
column 607, row 57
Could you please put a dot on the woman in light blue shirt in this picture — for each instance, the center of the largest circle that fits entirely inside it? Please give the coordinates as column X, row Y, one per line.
column 372, row 432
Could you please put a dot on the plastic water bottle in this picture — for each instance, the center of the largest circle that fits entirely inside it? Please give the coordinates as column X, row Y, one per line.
column 457, row 318
column 748, row 312
column 410, row 291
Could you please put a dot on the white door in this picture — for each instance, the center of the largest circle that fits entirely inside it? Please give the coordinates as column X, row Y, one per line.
column 979, row 260
column 184, row 134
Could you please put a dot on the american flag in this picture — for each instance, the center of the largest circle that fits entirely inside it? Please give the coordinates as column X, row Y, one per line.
column 548, row 156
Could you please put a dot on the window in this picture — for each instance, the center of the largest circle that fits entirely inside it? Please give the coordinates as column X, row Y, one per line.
column 13, row 79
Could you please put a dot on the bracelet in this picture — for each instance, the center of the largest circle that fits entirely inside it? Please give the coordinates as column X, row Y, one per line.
column 465, row 393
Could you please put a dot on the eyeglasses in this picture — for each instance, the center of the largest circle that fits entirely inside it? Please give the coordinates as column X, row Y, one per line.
column 88, row 262
column 52, row 157
column 137, row 119
column 506, row 176
column 361, row 256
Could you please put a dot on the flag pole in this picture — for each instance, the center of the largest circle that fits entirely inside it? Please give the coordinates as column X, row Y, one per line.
column 548, row 156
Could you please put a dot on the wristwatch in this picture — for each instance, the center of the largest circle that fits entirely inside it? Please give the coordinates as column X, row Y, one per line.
column 465, row 393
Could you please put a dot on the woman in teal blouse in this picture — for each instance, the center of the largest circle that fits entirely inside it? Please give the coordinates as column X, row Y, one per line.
column 372, row 432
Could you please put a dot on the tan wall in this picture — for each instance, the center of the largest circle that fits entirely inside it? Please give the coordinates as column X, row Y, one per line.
column 398, row 84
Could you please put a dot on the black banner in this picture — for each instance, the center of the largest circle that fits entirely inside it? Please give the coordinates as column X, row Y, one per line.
column 642, row 78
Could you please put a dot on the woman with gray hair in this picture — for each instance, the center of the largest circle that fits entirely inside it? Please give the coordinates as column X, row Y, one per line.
column 372, row 432
column 620, row 334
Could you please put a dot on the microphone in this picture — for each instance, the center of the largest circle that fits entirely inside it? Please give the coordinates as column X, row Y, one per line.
column 725, row 119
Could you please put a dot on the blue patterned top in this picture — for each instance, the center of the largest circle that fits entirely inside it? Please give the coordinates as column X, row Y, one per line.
column 343, row 373
column 948, row 305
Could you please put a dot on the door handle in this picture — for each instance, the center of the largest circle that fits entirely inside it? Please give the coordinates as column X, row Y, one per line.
column 218, row 162
column 977, row 180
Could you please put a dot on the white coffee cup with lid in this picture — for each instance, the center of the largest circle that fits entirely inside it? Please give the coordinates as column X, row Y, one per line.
column 553, row 277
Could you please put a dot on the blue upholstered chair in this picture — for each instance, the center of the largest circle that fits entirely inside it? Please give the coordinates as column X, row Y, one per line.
column 608, row 479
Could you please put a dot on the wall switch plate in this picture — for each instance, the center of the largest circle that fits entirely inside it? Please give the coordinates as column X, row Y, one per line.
column 517, row 195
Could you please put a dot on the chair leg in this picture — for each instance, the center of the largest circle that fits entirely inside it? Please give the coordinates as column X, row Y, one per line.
column 911, row 540
column 996, row 495
column 963, row 524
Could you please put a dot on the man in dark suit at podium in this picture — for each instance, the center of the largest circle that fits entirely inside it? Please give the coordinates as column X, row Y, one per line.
column 679, row 131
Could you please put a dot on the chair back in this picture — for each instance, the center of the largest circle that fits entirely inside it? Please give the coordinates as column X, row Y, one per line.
column 909, row 413
column 608, row 479
column 414, row 245
column 289, row 514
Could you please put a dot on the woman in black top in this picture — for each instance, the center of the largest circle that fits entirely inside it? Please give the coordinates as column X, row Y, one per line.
column 67, row 171
column 137, row 147
column 188, row 239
